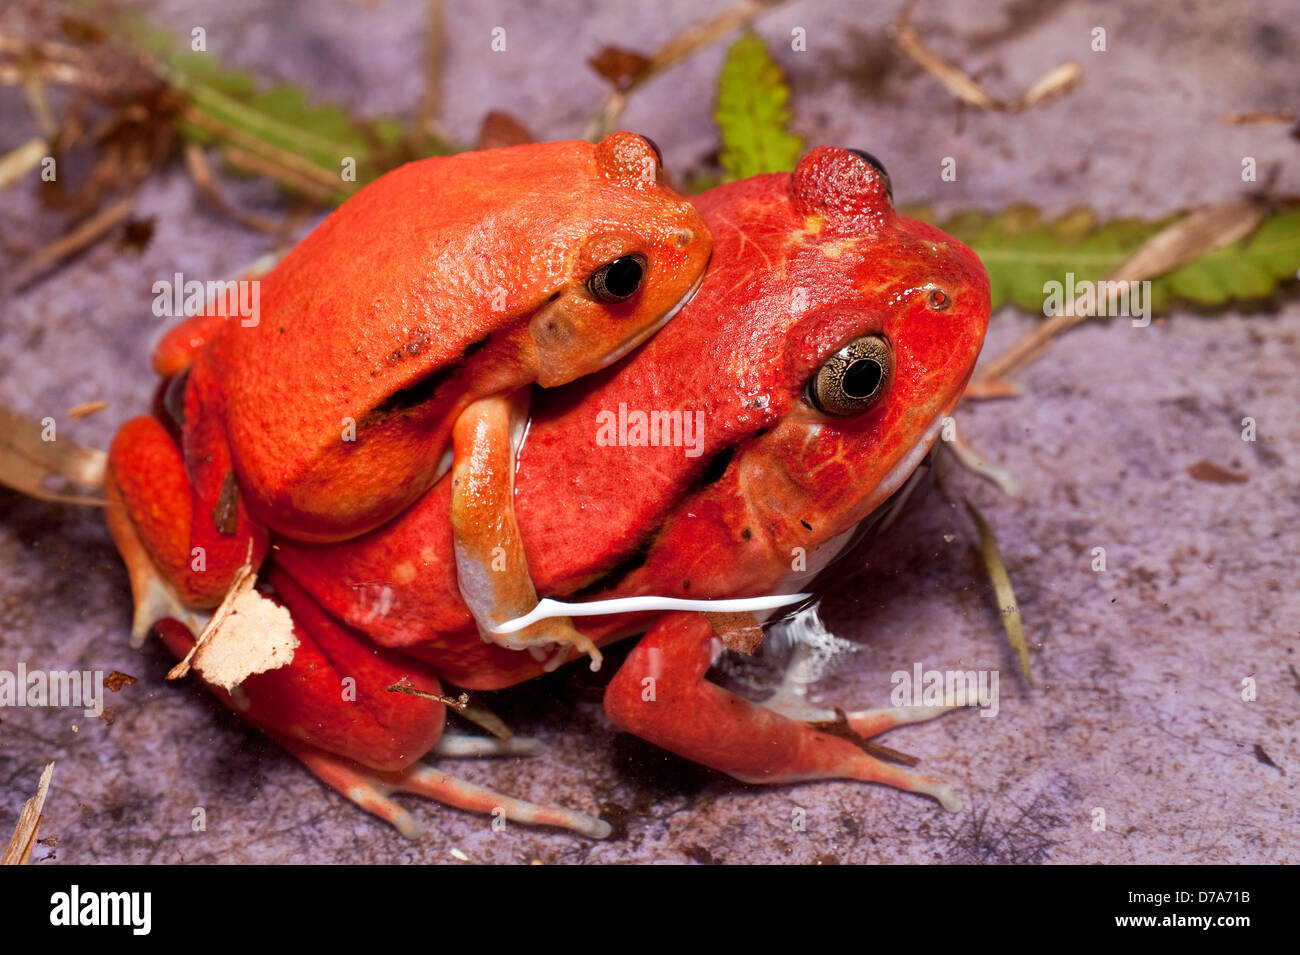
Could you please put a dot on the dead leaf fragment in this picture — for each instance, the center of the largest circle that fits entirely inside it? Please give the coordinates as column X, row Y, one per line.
column 27, row 461
column 502, row 129
column 25, row 834
column 1211, row 473
column 256, row 637
column 621, row 67
column 1267, row 760
column 117, row 679
column 739, row 631
column 248, row 634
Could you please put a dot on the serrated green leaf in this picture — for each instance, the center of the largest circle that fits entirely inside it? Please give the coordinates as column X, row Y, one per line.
column 752, row 115
column 1022, row 252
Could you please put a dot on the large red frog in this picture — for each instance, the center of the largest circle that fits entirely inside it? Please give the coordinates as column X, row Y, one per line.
column 815, row 366
column 406, row 326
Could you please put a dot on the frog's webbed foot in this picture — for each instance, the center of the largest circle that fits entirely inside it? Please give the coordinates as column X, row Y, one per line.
column 692, row 717
column 371, row 790
column 491, row 566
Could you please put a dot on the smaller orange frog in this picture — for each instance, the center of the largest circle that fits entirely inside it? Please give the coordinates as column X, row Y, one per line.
column 411, row 319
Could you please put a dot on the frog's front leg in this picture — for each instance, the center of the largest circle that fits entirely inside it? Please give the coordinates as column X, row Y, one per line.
column 491, row 567
column 661, row 695
column 190, row 540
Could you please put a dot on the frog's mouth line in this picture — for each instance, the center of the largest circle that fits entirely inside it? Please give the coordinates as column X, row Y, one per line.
column 667, row 317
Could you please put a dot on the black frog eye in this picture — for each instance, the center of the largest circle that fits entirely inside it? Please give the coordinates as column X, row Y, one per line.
column 879, row 167
column 659, row 153
column 618, row 280
column 854, row 378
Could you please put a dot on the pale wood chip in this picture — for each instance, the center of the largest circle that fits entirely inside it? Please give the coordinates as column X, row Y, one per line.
column 248, row 634
column 24, row 839
column 87, row 408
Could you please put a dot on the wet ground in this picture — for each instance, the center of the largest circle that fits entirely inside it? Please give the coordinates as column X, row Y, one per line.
column 1137, row 709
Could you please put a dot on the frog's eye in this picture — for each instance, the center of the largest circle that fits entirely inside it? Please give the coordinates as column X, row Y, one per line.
column 659, row 153
column 879, row 167
column 618, row 280
column 854, row 378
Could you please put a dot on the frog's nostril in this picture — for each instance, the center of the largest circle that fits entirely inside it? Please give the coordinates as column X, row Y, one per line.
column 938, row 299
column 683, row 238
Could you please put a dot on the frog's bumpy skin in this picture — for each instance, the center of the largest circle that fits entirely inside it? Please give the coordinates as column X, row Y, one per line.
column 843, row 188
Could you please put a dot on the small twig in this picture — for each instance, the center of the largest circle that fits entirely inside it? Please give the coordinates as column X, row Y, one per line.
column 20, row 161
column 981, row 465
column 196, row 163
column 86, row 234
column 28, row 828
column 404, row 685
column 87, row 408
column 277, row 162
column 426, row 113
column 1055, row 82
column 1260, row 117
column 1002, row 589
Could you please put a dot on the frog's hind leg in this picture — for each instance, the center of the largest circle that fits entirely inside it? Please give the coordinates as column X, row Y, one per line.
column 491, row 566
column 661, row 695
column 371, row 790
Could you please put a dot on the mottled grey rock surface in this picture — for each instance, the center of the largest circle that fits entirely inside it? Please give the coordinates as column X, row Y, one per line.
column 1137, row 710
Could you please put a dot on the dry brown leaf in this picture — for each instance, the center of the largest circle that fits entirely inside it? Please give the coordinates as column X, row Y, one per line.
column 621, row 67
column 117, row 679
column 1211, row 473
column 27, row 461
column 28, row 828
column 689, row 41
column 502, row 129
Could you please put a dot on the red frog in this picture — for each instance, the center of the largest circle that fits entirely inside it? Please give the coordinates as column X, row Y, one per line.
column 815, row 366
column 395, row 342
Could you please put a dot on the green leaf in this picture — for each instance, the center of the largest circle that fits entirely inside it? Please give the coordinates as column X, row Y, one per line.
column 1022, row 251
column 301, row 144
column 752, row 115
